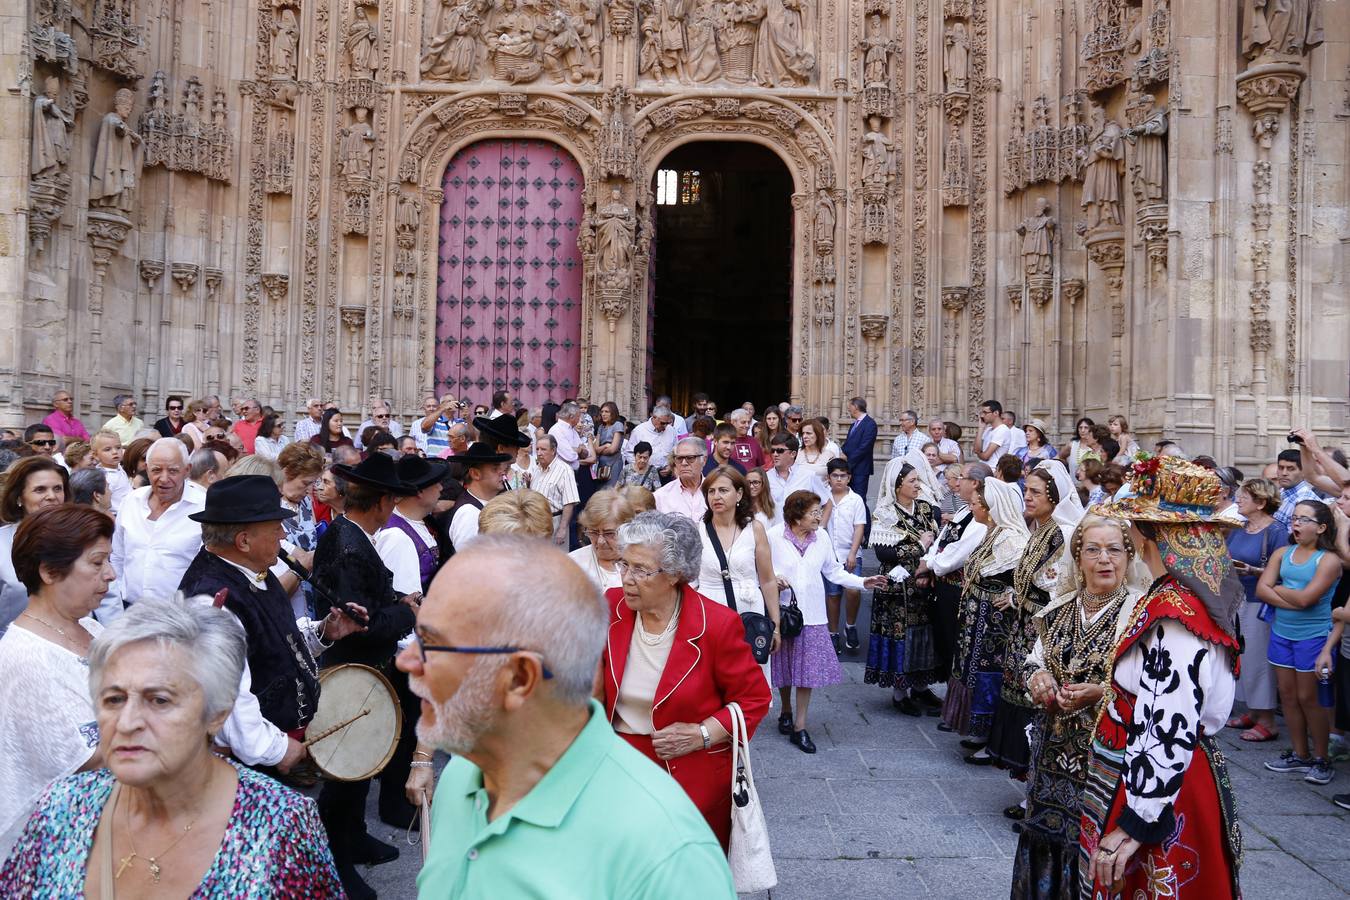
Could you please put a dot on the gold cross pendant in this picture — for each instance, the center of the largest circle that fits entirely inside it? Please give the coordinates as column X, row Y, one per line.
column 122, row 866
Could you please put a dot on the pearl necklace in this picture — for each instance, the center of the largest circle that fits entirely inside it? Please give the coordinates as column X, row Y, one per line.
column 652, row 640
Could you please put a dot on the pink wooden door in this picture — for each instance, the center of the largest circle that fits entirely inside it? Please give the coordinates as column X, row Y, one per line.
column 508, row 287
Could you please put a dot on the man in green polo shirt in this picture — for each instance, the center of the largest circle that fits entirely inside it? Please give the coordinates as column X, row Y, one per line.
column 541, row 798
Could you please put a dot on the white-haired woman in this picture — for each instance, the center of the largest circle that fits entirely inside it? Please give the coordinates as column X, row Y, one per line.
column 665, row 634
column 168, row 818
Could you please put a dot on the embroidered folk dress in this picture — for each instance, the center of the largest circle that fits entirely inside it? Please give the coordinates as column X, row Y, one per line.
column 900, row 650
column 274, row 845
column 1033, row 580
column 1155, row 770
column 1045, row 866
column 977, row 670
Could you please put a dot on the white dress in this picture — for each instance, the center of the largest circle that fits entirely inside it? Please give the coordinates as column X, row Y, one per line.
column 51, row 733
column 744, row 576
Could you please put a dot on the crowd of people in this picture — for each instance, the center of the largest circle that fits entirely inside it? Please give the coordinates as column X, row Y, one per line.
column 1076, row 615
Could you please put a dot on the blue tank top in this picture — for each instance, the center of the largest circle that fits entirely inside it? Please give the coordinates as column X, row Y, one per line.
column 1313, row 621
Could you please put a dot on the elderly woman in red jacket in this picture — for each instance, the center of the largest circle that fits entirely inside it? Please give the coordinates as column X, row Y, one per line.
column 674, row 661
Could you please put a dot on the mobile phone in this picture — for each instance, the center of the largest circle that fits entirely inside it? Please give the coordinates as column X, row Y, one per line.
column 1294, row 439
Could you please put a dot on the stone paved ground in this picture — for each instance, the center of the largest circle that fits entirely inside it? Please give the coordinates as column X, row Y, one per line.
column 887, row 809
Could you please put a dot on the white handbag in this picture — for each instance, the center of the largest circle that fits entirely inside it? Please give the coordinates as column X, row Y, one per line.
column 749, row 856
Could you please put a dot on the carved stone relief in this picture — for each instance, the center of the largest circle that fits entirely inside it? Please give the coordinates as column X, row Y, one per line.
column 1038, row 240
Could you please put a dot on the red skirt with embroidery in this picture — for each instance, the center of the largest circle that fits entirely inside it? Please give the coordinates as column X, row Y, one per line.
column 1195, row 861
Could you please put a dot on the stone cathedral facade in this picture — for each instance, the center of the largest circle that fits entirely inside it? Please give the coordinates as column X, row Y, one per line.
column 1074, row 206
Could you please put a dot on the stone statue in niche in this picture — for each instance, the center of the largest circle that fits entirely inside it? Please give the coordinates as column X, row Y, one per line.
column 1148, row 165
column 51, row 132
column 361, row 43
column 453, row 52
column 701, row 62
column 1038, row 238
column 877, row 49
column 956, row 59
column 565, row 57
column 513, row 45
column 358, row 143
column 117, row 159
column 783, row 54
column 669, row 18
column 407, row 216
column 587, row 17
column 614, row 235
column 738, row 28
column 825, row 218
column 878, row 166
column 1286, row 28
column 285, row 44
column 1101, row 173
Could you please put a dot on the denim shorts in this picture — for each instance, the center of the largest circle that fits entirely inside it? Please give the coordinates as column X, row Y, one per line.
column 834, row 590
column 1297, row 655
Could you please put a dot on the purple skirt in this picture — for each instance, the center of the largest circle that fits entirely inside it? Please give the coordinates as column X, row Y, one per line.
column 807, row 660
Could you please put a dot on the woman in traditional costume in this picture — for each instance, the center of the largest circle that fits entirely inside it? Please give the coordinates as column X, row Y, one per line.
column 1077, row 633
column 986, row 605
column 1158, row 816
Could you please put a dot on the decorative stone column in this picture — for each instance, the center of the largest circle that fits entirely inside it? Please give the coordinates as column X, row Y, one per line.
column 1072, row 290
column 276, row 285
column 354, row 318
column 873, row 329
column 107, row 232
column 954, row 299
column 214, row 278
column 1106, row 249
column 185, row 277
column 1265, row 91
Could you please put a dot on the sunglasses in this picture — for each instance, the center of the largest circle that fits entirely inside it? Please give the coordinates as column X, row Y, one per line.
column 175, row 409
column 777, row 450
column 49, row 443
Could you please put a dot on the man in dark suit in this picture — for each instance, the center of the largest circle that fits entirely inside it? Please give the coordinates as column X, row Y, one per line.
column 347, row 564
column 858, row 446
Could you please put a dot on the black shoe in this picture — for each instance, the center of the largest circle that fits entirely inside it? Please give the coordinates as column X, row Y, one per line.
column 979, row 760
column 945, row 728
column 971, row 744
column 851, row 637
column 1016, row 812
column 785, row 723
column 802, row 741
column 907, row 706
column 1341, row 800
column 927, row 698
column 372, row 851
column 353, row 884
column 838, row 646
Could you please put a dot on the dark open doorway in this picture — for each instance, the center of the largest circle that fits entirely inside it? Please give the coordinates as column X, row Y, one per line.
column 722, row 309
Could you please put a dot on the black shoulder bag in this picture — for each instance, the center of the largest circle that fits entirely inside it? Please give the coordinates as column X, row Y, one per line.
column 758, row 628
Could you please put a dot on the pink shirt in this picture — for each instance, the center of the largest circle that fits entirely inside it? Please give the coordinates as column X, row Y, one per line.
column 673, row 498
column 66, row 427
column 248, row 433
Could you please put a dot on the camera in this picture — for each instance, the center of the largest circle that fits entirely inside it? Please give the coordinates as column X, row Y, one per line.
column 1294, row 439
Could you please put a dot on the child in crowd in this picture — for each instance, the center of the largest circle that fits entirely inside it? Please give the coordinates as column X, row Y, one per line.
column 846, row 533
column 1299, row 581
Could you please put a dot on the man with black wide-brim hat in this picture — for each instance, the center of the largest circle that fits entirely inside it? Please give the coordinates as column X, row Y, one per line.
column 348, row 566
column 241, row 534
column 502, row 434
column 484, row 478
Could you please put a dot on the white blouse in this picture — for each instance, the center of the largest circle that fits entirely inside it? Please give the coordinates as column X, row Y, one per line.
column 47, row 725
column 803, row 571
column 741, row 566
column 822, row 460
column 604, row 579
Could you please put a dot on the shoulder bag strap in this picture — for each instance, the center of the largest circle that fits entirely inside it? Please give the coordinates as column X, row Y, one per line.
column 721, row 561
column 1265, row 546
column 104, row 830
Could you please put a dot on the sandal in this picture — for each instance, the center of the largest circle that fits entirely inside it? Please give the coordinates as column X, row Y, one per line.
column 1258, row 733
column 1243, row 721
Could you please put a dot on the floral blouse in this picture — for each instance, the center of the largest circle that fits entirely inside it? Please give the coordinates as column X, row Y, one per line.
column 274, row 844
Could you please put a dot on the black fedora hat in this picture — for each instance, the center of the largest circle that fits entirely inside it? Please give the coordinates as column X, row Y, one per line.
column 420, row 472
column 481, row 454
column 242, row 499
column 377, row 470
column 501, row 430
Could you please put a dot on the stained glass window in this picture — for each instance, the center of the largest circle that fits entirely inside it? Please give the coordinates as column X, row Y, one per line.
column 677, row 188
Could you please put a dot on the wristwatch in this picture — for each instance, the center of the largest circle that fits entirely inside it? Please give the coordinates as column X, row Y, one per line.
column 707, row 738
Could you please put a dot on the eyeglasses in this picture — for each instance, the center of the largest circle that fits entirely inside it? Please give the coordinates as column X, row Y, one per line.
column 1099, row 552
column 641, row 574
column 47, row 443
column 1302, row 520
column 424, row 649
column 686, row 458
column 595, row 535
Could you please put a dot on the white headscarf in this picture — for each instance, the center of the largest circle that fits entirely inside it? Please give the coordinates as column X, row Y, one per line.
column 929, row 489
column 887, row 514
column 1009, row 524
column 1069, row 510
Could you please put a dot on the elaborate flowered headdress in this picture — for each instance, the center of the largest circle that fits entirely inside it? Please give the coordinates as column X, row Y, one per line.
column 1168, row 490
